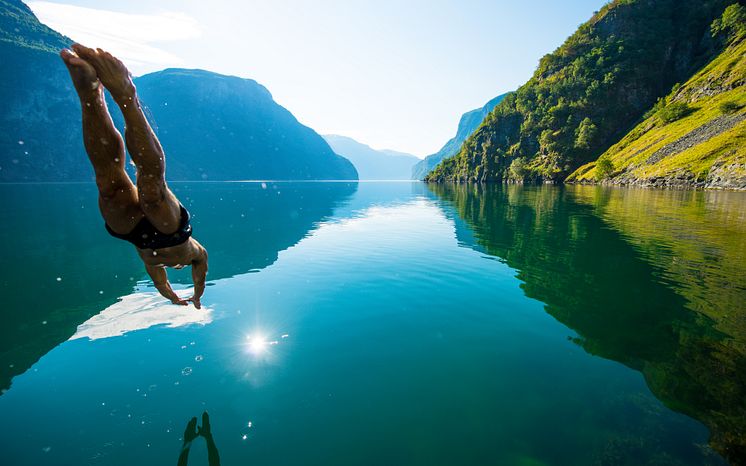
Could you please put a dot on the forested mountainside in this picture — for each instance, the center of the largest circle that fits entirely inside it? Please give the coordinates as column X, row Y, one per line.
column 585, row 96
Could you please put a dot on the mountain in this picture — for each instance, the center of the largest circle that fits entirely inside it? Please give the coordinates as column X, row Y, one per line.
column 40, row 133
column 586, row 95
column 469, row 122
column 695, row 136
column 212, row 126
column 373, row 164
column 220, row 127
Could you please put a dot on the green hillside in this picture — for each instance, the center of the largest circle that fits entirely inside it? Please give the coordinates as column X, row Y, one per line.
column 585, row 96
column 696, row 136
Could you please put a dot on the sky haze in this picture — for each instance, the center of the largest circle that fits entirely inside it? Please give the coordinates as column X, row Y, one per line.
column 393, row 75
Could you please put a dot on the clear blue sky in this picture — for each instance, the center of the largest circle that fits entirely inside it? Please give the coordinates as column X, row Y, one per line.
column 391, row 74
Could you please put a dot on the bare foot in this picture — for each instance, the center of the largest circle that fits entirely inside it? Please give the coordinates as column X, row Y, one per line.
column 83, row 75
column 110, row 70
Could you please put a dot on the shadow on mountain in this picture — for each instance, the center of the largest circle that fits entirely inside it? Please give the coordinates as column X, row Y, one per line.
column 619, row 298
column 62, row 267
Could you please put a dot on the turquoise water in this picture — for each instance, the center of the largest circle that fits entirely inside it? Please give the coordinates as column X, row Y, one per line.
column 382, row 323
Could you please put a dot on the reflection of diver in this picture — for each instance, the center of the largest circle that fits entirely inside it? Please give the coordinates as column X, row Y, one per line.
column 191, row 433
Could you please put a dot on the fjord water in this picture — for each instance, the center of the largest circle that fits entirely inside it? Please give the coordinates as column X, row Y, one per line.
column 382, row 323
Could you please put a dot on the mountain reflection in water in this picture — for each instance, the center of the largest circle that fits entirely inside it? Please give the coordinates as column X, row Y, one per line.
column 652, row 279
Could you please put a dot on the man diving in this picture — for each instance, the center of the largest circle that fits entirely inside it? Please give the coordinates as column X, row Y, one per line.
column 147, row 215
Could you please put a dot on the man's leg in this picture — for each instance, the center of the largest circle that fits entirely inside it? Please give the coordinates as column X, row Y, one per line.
column 157, row 202
column 117, row 195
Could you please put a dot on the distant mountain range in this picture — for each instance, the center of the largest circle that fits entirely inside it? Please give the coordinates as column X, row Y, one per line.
column 372, row 164
column 468, row 123
column 213, row 127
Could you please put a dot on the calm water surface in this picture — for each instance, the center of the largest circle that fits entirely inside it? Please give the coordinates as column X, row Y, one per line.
column 382, row 324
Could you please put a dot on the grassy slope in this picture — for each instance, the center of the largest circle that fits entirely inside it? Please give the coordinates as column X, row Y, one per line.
column 726, row 72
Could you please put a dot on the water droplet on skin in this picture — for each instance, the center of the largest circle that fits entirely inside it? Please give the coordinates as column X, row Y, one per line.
column 155, row 253
column 87, row 104
column 116, row 159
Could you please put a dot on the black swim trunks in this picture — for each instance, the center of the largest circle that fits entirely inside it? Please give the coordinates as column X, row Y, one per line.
column 146, row 236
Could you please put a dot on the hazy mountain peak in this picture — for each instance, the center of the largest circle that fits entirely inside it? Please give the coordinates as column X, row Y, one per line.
column 370, row 163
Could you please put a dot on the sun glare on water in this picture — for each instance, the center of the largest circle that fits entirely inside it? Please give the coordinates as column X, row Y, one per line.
column 257, row 344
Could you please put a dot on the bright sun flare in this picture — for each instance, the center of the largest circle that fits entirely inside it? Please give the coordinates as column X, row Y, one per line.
column 257, row 343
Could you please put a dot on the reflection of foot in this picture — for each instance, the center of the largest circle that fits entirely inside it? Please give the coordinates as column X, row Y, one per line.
column 82, row 74
column 110, row 70
column 205, row 430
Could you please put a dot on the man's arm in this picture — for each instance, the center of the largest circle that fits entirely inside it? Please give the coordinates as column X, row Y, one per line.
column 160, row 280
column 199, row 276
